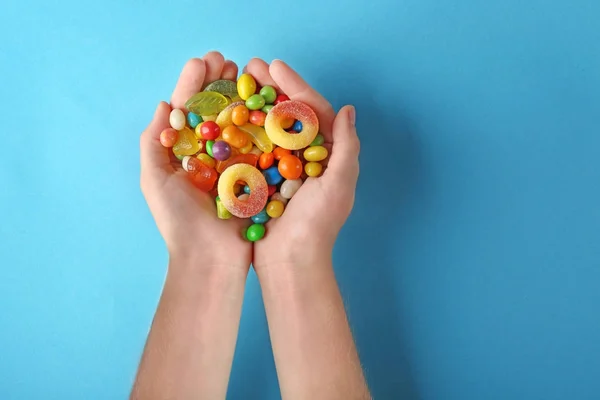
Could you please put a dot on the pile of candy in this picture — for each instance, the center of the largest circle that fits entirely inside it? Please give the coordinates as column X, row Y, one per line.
column 258, row 146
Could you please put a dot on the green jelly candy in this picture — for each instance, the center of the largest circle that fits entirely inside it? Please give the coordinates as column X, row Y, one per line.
column 319, row 140
column 222, row 212
column 269, row 94
column 179, row 157
column 209, row 145
column 255, row 232
column 255, row 102
column 207, row 103
column 267, row 108
column 225, row 87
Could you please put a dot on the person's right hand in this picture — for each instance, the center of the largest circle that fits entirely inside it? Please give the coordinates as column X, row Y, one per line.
column 186, row 216
column 307, row 230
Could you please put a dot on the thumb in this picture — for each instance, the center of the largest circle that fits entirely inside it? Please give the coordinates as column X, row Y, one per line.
column 343, row 163
column 152, row 153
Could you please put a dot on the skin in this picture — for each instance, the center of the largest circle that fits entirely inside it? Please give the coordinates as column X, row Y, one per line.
column 189, row 351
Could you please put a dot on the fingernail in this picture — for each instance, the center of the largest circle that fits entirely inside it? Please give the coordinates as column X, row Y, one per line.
column 352, row 115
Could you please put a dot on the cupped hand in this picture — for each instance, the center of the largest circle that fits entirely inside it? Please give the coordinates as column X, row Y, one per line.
column 313, row 217
column 186, row 216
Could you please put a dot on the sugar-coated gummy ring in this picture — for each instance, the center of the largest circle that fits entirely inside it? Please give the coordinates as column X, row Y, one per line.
column 296, row 110
column 258, row 190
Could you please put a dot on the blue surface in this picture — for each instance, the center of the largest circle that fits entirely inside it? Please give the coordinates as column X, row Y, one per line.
column 470, row 265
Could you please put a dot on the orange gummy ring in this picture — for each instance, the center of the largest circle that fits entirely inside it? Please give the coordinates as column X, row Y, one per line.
column 258, row 190
column 296, row 110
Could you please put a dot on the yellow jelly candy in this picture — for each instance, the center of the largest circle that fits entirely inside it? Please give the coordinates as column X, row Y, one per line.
column 186, row 144
column 206, row 103
column 222, row 212
column 258, row 136
column 247, row 148
column 211, row 117
column 246, row 86
column 224, row 118
column 313, row 168
column 225, row 87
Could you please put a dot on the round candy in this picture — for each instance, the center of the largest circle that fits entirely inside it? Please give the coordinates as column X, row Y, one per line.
column 299, row 111
column 193, row 119
column 258, row 190
column 206, row 160
column 210, row 130
column 246, row 86
column 255, row 102
column 277, row 196
column 275, row 208
column 260, row 218
column 168, row 137
column 177, row 119
column 319, row 140
column 297, row 126
column 280, row 152
column 290, row 167
column 313, row 169
column 246, row 189
column 281, row 98
column 235, row 137
column 255, row 232
column 287, row 123
column 315, row 153
column 290, row 187
column 247, row 148
column 240, row 115
column 243, row 197
column 209, row 147
column 225, row 117
column 269, row 94
column 266, row 160
column 271, row 189
column 221, row 150
column 257, row 118
column 272, row 176
column 267, row 108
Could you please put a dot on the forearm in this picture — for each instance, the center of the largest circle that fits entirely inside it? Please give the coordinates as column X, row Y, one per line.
column 190, row 347
column 312, row 343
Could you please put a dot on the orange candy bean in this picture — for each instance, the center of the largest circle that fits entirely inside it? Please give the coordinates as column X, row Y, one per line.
column 280, row 152
column 235, row 137
column 266, row 160
column 290, row 167
column 240, row 115
column 258, row 118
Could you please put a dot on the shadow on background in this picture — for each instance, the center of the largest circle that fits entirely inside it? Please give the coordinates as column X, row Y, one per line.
column 366, row 261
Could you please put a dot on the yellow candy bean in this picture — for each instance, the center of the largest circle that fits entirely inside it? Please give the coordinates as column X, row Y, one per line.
column 206, row 160
column 313, row 168
column 246, row 86
column 247, row 148
column 275, row 209
column 315, row 153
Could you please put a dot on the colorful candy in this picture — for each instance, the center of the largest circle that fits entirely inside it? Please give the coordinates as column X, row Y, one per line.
column 274, row 208
column 168, row 137
column 206, row 103
column 246, row 86
column 230, row 129
column 298, row 111
column 177, row 119
column 221, row 150
column 258, row 190
column 290, row 167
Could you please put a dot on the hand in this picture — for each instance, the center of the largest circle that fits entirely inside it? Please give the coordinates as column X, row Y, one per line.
column 186, row 217
column 313, row 217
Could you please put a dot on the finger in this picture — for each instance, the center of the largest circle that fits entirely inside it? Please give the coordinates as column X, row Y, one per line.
column 297, row 89
column 230, row 71
column 153, row 156
column 189, row 83
column 260, row 71
column 343, row 163
column 214, row 66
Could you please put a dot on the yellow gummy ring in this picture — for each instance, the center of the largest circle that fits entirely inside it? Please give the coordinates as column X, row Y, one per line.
column 296, row 110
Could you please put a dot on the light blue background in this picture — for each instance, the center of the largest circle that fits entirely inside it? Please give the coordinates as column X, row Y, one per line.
column 470, row 265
